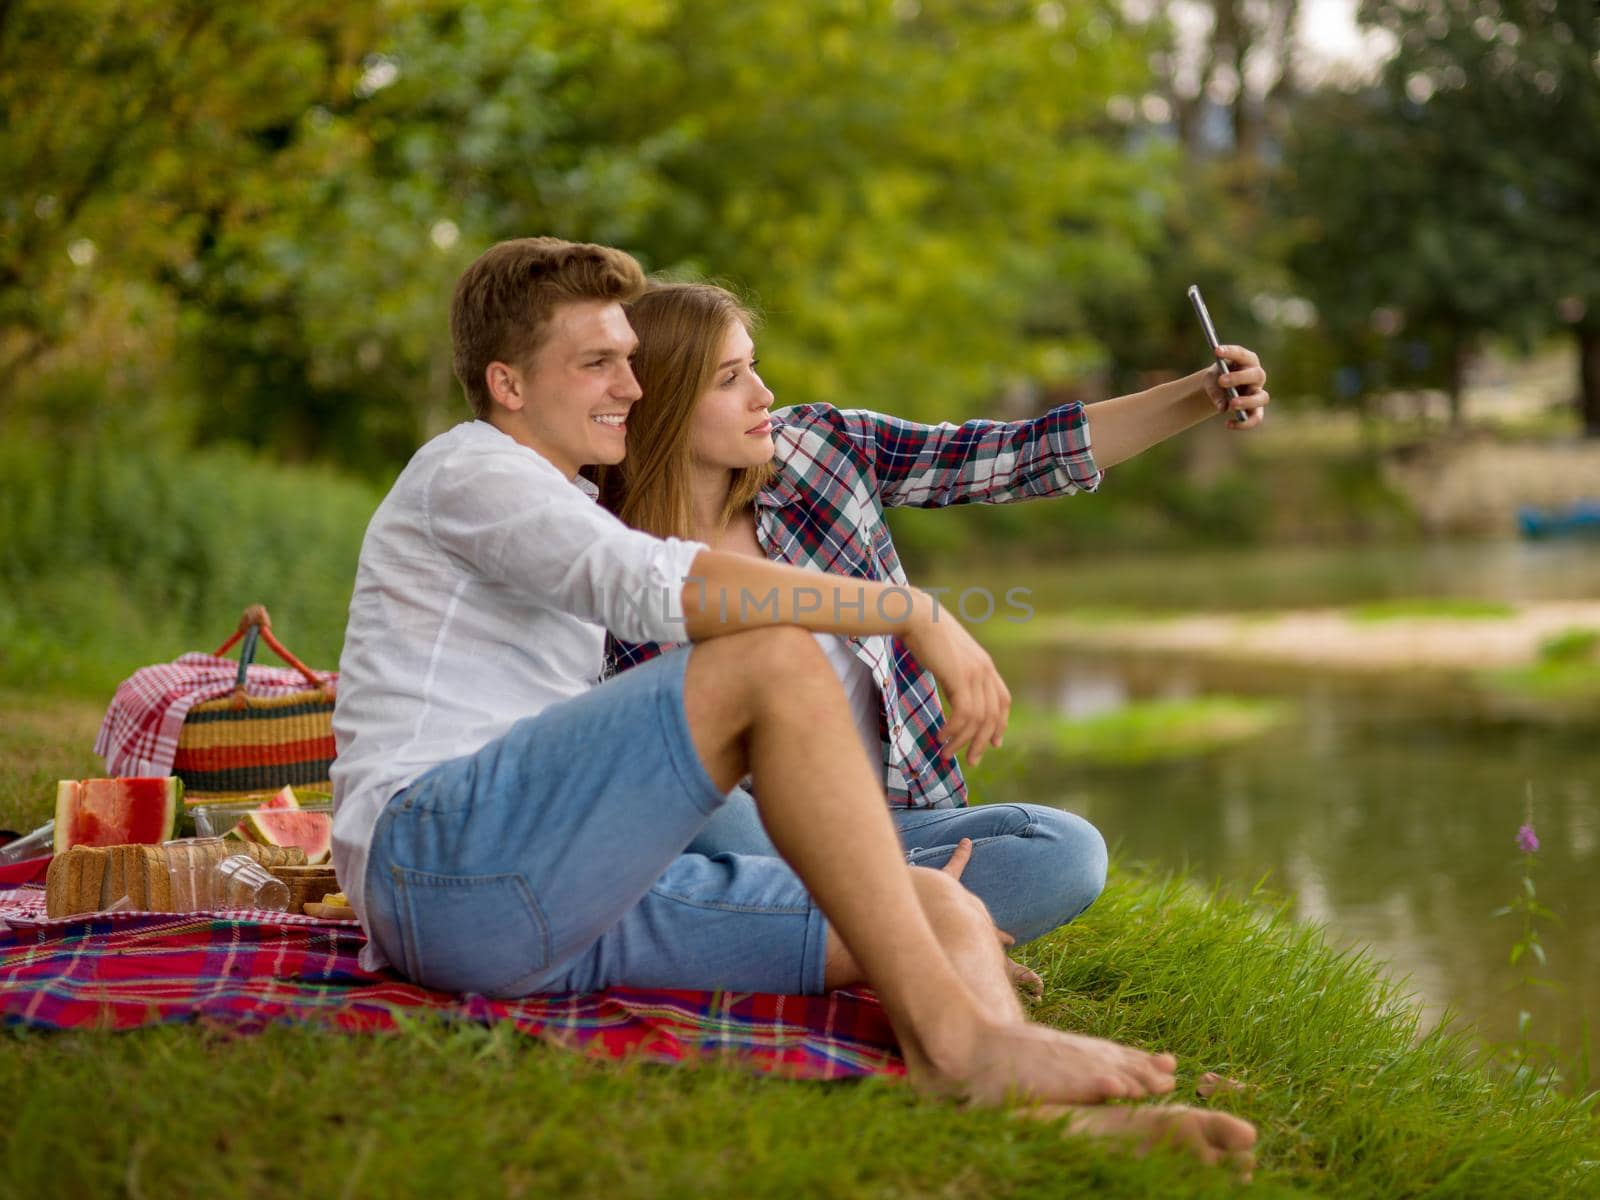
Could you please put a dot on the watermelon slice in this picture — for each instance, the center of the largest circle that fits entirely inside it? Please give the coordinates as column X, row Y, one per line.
column 116, row 812
column 311, row 831
column 282, row 798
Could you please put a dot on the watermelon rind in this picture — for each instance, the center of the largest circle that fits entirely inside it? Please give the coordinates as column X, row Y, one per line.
column 83, row 818
column 66, row 801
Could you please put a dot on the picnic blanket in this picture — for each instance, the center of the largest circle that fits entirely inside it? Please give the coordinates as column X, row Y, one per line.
column 245, row 970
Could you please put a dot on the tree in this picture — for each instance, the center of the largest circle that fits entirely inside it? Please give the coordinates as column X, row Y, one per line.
column 1456, row 196
column 291, row 195
column 129, row 129
column 891, row 185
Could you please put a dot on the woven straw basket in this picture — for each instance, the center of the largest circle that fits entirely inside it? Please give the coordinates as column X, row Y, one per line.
column 240, row 745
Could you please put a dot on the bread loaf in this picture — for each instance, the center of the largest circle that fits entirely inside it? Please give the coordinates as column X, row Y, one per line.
column 168, row 878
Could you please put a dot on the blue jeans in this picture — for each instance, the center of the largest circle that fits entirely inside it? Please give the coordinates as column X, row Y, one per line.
column 553, row 860
column 1035, row 868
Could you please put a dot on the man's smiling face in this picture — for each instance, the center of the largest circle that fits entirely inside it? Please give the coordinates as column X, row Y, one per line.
column 570, row 403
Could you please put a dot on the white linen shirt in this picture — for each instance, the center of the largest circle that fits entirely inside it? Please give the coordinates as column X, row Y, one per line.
column 486, row 582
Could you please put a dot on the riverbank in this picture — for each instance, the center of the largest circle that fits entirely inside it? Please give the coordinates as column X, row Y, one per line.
column 1439, row 635
column 1349, row 1096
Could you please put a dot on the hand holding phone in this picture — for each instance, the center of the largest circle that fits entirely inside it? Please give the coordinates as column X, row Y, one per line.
column 1237, row 415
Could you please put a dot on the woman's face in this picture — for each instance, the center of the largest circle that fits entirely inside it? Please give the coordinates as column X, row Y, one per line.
column 730, row 427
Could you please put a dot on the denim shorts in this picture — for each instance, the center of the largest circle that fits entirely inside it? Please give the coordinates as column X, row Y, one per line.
column 553, row 860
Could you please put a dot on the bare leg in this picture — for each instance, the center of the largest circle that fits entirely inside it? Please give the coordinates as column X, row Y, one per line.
column 767, row 702
column 965, row 934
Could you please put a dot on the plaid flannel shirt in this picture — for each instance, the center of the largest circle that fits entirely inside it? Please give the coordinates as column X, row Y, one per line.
column 837, row 471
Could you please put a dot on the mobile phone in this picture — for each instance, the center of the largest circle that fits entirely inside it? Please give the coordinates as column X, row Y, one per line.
column 1236, row 415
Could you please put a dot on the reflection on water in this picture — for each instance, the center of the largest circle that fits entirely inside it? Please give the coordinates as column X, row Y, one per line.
column 1090, row 692
column 1385, row 812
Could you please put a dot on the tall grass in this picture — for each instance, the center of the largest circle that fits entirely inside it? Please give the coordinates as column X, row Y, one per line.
column 118, row 550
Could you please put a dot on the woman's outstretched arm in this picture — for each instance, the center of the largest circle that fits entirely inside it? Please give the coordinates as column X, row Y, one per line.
column 998, row 462
column 1126, row 426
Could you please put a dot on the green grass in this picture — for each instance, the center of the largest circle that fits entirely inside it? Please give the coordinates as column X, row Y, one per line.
column 117, row 555
column 1143, row 731
column 1559, row 681
column 1565, row 677
column 1433, row 607
column 1350, row 1099
column 43, row 739
column 1571, row 647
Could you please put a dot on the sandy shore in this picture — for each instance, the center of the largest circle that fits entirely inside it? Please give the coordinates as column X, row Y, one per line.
column 1333, row 638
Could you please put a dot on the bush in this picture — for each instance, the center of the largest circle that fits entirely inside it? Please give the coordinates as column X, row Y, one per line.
column 122, row 549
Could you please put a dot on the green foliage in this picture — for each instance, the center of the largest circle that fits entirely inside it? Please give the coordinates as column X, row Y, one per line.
column 135, row 136
column 892, row 185
column 122, row 550
column 1143, row 731
column 1571, row 646
column 1451, row 608
column 1529, row 1058
column 1565, row 680
column 1455, row 198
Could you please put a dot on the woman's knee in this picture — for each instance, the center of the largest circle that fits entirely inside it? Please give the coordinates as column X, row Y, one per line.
column 1075, row 859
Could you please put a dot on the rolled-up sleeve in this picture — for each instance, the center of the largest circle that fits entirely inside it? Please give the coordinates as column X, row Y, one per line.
column 519, row 525
column 978, row 462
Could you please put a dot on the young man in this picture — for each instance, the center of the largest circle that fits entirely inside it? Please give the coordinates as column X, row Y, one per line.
column 506, row 826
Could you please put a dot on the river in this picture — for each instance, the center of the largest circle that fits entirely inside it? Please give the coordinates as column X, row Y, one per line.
column 1384, row 809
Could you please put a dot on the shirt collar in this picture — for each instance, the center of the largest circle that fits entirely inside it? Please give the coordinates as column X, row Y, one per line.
column 780, row 493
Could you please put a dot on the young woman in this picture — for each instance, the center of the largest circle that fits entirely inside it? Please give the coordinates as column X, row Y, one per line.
column 707, row 459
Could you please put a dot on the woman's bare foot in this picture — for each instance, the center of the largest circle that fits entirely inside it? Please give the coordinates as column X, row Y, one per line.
column 1025, row 980
column 1210, row 1084
column 1021, row 1061
column 1213, row 1137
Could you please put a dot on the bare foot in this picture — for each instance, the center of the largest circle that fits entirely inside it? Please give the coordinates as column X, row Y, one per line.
column 1025, row 980
column 1210, row 1084
column 1212, row 1137
column 1022, row 1061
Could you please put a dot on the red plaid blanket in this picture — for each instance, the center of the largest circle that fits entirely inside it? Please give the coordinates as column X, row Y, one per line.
column 140, row 733
column 245, row 970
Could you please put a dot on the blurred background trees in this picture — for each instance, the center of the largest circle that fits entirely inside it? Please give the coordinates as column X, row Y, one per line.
column 1456, row 198
column 243, row 222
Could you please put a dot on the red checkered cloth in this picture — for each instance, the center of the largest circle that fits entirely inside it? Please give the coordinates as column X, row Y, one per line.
column 247, row 970
column 140, row 733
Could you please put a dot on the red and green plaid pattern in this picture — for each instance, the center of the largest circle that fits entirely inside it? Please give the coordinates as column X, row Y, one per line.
column 837, row 470
column 126, row 970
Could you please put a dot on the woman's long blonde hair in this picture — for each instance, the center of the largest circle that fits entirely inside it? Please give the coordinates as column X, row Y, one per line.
column 681, row 327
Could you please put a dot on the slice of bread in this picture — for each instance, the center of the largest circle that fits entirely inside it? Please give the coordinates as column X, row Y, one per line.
column 135, row 877
column 157, row 879
column 72, row 884
column 114, row 883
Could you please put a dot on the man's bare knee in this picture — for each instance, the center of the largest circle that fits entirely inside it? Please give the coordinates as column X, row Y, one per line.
column 732, row 684
column 759, row 662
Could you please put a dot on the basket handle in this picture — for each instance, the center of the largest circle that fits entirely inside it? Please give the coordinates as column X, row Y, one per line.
column 255, row 625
